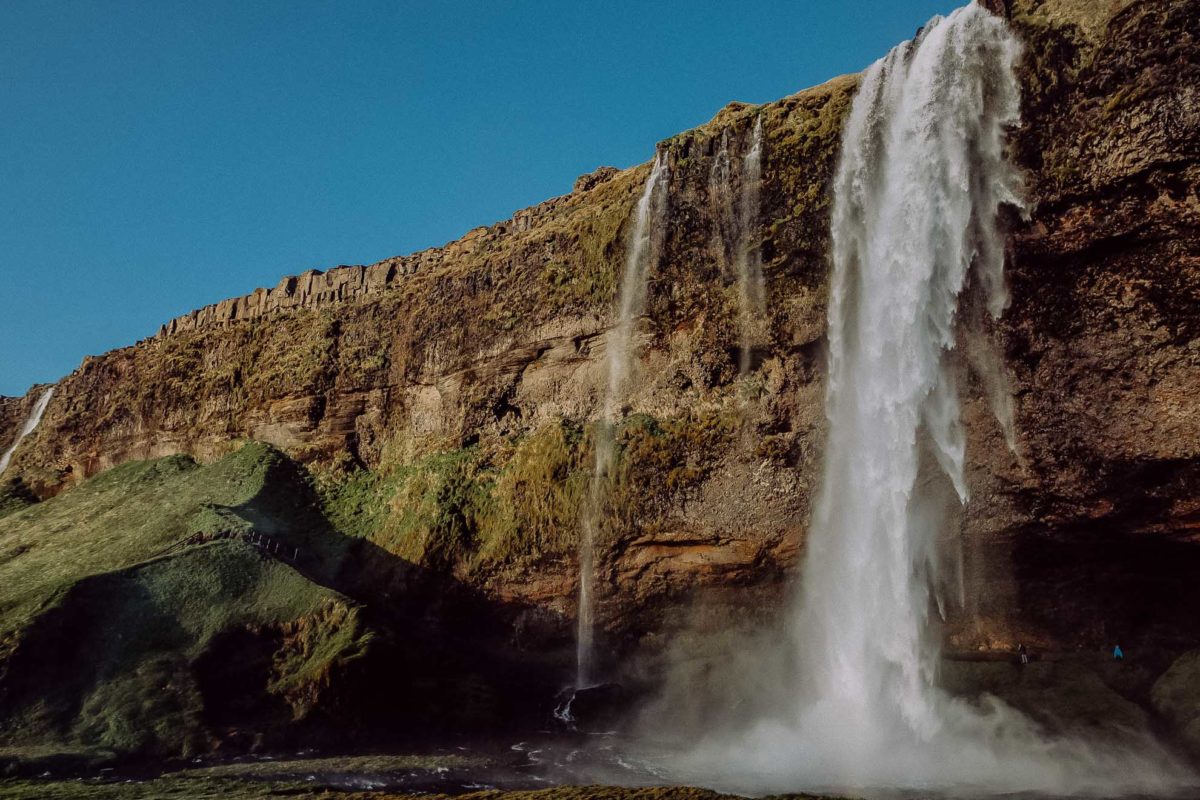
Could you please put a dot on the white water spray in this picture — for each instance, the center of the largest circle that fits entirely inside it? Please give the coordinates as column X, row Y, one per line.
column 848, row 698
column 31, row 423
column 640, row 257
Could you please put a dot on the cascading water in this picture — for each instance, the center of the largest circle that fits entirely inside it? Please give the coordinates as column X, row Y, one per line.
column 640, row 258
column 848, row 697
column 921, row 180
column 720, row 197
column 736, row 222
column 31, row 423
column 748, row 257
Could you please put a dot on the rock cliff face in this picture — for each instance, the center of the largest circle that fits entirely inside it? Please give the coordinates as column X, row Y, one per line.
column 12, row 413
column 494, row 356
column 316, row 289
column 1101, row 341
column 443, row 402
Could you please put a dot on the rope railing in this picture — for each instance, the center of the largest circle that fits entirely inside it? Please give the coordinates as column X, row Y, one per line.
column 264, row 543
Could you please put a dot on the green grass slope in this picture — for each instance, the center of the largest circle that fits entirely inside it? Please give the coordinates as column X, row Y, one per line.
column 137, row 510
column 114, row 636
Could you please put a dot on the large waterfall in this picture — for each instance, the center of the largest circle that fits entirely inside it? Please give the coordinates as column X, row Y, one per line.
column 30, row 425
column 921, row 180
column 847, row 697
column 640, row 257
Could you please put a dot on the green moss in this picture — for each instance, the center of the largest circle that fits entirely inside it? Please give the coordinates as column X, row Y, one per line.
column 436, row 508
column 471, row 511
column 105, row 617
column 533, row 509
column 356, row 502
column 304, row 362
column 466, row 508
column 672, row 454
column 805, row 136
column 110, row 661
column 593, row 281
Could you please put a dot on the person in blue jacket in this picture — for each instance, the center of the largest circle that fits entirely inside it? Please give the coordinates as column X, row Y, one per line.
column 1118, row 653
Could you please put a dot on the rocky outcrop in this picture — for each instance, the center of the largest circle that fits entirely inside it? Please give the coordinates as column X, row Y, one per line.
column 444, row 400
column 14, row 411
column 1101, row 340
column 1176, row 697
column 12, row 414
column 315, row 289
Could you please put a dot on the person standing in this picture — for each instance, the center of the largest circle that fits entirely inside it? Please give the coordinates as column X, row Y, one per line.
column 1118, row 653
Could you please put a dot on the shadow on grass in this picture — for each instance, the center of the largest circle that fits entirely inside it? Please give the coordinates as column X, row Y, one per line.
column 223, row 647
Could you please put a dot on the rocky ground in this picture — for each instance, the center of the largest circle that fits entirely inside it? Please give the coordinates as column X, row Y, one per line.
column 201, row 789
column 377, row 777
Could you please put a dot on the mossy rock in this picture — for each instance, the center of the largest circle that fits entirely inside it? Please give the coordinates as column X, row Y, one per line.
column 1176, row 696
column 1063, row 696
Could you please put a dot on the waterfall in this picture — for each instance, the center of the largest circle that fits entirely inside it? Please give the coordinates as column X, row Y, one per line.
column 847, row 697
column 31, row 423
column 921, row 180
column 747, row 257
column 640, row 257
column 720, row 199
column 736, row 234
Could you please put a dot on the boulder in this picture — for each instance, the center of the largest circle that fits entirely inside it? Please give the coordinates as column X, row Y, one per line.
column 1176, row 696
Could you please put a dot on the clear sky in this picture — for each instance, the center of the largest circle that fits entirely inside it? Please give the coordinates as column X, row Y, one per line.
column 160, row 155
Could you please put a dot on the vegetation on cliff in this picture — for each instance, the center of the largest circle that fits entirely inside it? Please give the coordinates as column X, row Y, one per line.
column 478, row 509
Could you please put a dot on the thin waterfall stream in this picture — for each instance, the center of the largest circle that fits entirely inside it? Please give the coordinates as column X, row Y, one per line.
column 31, row 422
column 640, row 258
column 736, row 234
column 747, row 257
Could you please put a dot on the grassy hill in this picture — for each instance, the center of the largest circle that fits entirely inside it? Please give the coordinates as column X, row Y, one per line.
column 165, row 608
column 120, row 628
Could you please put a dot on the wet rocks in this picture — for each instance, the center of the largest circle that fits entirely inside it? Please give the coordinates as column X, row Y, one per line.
column 1176, row 696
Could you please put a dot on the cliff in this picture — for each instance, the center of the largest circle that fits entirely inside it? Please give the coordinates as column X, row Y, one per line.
column 315, row 289
column 442, row 404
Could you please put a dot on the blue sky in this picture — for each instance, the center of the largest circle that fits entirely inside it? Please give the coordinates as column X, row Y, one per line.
column 156, row 156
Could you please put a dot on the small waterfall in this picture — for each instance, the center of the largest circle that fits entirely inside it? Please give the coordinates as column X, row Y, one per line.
column 747, row 256
column 847, row 697
column 640, row 258
column 720, row 199
column 31, row 423
column 736, row 233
